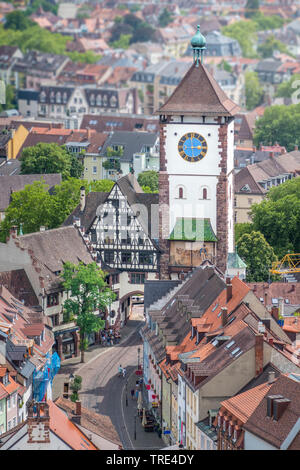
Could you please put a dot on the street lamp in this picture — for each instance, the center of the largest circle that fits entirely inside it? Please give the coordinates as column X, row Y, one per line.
column 126, row 397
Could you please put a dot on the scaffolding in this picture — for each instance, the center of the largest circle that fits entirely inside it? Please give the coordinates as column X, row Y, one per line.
column 42, row 378
column 290, row 264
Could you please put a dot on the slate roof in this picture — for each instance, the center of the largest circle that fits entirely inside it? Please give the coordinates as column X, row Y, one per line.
column 266, row 428
column 92, row 202
column 52, row 248
column 199, row 93
column 108, row 122
column 154, row 290
column 133, row 142
column 13, row 183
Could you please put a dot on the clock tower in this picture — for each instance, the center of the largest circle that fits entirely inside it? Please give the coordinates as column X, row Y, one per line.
column 196, row 172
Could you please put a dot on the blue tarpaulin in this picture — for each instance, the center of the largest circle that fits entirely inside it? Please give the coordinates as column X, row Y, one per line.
column 42, row 377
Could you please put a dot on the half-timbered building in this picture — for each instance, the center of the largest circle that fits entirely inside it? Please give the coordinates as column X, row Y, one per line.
column 122, row 228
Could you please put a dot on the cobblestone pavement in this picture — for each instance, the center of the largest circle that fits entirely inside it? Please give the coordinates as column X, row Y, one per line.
column 104, row 392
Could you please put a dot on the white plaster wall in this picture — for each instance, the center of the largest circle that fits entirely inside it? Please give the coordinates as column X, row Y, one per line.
column 192, row 205
column 252, row 442
column 193, row 176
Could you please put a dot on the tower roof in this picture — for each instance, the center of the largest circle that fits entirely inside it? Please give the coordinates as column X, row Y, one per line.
column 199, row 93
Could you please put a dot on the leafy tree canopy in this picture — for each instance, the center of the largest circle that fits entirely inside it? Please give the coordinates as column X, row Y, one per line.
column 280, row 124
column 253, row 91
column 46, row 158
column 288, row 88
column 89, row 294
column 257, row 254
column 130, row 24
column 149, row 178
column 18, row 21
column 34, row 206
column 251, row 8
column 271, row 45
column 165, row 18
column 278, row 217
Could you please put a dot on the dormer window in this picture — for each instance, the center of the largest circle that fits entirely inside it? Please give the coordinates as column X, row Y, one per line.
column 6, row 379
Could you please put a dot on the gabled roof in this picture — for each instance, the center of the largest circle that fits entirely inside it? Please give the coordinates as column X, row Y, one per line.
column 199, row 93
column 268, row 429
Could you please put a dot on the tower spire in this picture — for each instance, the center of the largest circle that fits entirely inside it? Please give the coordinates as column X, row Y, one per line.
column 198, row 42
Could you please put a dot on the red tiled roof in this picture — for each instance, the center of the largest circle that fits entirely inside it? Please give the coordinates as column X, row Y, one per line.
column 66, row 430
column 243, row 405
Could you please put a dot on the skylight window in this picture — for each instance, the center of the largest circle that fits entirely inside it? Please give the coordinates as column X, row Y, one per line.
column 215, row 342
column 235, row 351
column 274, row 301
column 215, row 307
column 230, row 344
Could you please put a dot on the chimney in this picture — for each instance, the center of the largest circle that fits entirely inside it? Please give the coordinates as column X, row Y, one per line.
column 271, row 154
column 224, row 315
column 270, row 404
column 77, row 416
column 281, row 305
column 275, row 313
column 259, row 354
column 82, row 198
column 266, row 299
column 271, row 376
column 38, row 423
column 279, row 407
column 228, row 292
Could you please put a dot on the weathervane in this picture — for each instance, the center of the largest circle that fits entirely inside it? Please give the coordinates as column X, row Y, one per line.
column 198, row 44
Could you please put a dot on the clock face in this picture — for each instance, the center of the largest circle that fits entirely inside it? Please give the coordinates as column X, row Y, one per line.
column 192, row 147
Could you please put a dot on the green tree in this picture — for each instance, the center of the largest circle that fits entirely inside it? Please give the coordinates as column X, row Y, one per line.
column 251, row 8
column 88, row 294
column 165, row 18
column 18, row 21
column 286, row 89
column 278, row 217
column 264, row 22
column 46, row 158
column 253, row 90
column 257, row 254
column 76, row 387
column 123, row 42
column 241, row 229
column 245, row 33
column 149, row 178
column 271, row 45
column 280, row 124
column 30, row 207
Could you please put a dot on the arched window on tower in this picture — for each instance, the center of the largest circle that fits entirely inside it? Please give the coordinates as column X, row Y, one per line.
column 180, row 193
column 204, row 193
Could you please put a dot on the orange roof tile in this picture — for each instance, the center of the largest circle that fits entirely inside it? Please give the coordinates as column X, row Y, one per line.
column 66, row 430
column 243, row 405
column 292, row 324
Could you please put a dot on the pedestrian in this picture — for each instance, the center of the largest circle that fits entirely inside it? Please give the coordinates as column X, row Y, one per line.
column 124, row 373
column 136, row 394
column 111, row 341
column 120, row 370
column 132, row 394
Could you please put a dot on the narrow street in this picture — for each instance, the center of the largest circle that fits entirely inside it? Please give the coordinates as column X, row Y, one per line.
column 105, row 393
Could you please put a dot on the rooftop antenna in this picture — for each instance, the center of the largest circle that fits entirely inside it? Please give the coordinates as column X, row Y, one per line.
column 198, row 43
